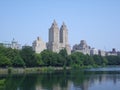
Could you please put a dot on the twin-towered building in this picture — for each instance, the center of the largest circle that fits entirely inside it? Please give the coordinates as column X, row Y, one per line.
column 58, row 40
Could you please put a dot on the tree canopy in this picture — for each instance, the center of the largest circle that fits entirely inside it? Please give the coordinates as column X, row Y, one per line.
column 27, row 57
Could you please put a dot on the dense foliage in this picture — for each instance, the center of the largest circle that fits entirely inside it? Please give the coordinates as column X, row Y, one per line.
column 28, row 58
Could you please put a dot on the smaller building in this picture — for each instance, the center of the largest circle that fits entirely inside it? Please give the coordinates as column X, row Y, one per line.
column 38, row 45
column 102, row 53
column 94, row 51
column 82, row 47
column 6, row 44
column 14, row 44
column 112, row 53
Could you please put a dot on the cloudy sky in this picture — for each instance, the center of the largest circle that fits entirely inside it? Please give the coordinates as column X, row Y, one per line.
column 96, row 21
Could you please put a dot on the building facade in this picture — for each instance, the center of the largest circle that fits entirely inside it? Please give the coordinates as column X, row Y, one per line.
column 58, row 39
column 94, row 51
column 82, row 47
column 102, row 53
column 13, row 44
column 38, row 45
column 112, row 53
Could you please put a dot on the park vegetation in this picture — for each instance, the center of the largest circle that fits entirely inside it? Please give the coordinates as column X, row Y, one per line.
column 26, row 57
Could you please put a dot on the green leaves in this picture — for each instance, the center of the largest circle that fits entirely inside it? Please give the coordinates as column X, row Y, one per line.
column 27, row 57
column 4, row 61
column 18, row 62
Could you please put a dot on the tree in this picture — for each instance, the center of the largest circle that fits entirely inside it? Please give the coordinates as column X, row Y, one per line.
column 97, row 60
column 64, row 55
column 77, row 59
column 11, row 53
column 88, row 60
column 113, row 60
column 27, row 55
column 4, row 61
column 51, row 58
column 38, row 60
column 18, row 62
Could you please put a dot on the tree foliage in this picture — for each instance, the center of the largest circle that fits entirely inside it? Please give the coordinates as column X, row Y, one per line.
column 27, row 57
column 4, row 61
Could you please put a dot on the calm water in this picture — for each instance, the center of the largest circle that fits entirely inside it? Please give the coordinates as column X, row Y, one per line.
column 93, row 79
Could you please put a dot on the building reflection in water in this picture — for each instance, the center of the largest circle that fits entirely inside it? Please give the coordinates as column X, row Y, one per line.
column 64, row 80
column 88, row 81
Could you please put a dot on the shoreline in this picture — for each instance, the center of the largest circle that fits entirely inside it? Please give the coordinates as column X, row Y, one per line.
column 31, row 70
column 12, row 70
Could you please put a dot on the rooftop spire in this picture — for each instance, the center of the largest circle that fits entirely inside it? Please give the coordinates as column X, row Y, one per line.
column 63, row 26
column 54, row 23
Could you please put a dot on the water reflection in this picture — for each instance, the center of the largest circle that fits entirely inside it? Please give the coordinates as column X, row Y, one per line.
column 63, row 80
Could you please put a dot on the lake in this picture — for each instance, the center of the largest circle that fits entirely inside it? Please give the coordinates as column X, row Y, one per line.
column 90, row 79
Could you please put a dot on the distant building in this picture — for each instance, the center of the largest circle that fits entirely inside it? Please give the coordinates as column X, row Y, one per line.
column 82, row 47
column 6, row 44
column 112, row 53
column 38, row 45
column 14, row 44
column 94, row 51
column 102, row 53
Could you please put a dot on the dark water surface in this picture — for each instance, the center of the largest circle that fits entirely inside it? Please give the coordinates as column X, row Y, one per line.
column 92, row 79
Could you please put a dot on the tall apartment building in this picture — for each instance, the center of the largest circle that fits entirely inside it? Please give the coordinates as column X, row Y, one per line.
column 57, row 40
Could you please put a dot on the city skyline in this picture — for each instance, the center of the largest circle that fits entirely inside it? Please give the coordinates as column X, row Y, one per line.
column 97, row 22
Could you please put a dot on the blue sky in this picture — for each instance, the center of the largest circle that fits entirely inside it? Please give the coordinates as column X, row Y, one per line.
column 96, row 21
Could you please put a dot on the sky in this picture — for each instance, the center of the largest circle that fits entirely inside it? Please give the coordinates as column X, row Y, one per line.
column 96, row 21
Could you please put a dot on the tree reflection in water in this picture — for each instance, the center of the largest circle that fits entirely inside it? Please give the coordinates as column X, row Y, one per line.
column 60, row 80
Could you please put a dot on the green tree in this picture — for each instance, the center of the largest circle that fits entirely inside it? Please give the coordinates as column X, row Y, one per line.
column 88, row 60
column 27, row 55
column 11, row 53
column 18, row 62
column 2, row 50
column 64, row 56
column 97, row 60
column 4, row 61
column 113, row 60
column 47, row 57
column 38, row 60
column 77, row 59
column 50, row 58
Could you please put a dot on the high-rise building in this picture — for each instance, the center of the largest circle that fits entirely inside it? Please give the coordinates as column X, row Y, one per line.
column 58, row 39
column 64, row 34
column 53, row 43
